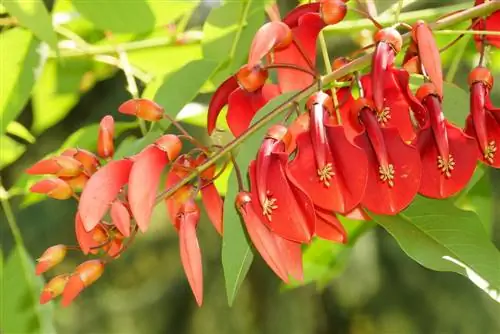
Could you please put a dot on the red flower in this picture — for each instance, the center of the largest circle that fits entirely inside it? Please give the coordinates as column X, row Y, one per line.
column 244, row 93
column 448, row 155
column 483, row 120
column 490, row 23
column 394, row 168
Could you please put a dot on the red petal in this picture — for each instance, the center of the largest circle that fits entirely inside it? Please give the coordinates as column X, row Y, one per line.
column 293, row 16
column 190, row 253
column 142, row 108
column 219, row 100
column 291, row 253
column 243, row 106
column 73, row 288
column 143, row 184
column 492, row 135
column 267, row 37
column 462, row 148
column 42, row 266
column 213, row 204
column 379, row 196
column 493, row 24
column 383, row 58
column 45, row 297
column 101, row 190
column 46, row 166
column 121, row 218
column 329, row 227
column 429, row 55
column 105, row 145
column 305, row 34
column 357, row 214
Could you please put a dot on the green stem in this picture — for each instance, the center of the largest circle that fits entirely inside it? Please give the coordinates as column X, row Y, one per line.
column 328, row 68
column 241, row 25
column 468, row 32
column 353, row 66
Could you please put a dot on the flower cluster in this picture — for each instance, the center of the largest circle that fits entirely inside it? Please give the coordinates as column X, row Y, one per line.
column 343, row 155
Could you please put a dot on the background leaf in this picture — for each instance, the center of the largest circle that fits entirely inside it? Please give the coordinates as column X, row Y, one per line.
column 437, row 234
column 18, row 130
column 34, row 16
column 18, row 53
column 10, row 150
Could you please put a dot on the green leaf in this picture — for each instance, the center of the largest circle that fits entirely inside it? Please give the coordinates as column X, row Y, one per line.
column 10, row 151
column 228, row 33
column 181, row 87
column 121, row 151
column 442, row 237
column 455, row 102
column 22, row 312
column 139, row 144
column 138, row 16
column 34, row 16
column 57, row 91
column 18, row 130
column 237, row 255
column 18, row 54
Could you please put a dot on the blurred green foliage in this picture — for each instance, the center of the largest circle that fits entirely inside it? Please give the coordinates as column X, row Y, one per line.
column 62, row 71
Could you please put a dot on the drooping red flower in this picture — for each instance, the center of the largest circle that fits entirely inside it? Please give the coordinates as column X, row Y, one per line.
column 483, row 122
column 100, row 238
column 394, row 169
column 448, row 155
column 244, row 94
column 490, row 23
column 332, row 170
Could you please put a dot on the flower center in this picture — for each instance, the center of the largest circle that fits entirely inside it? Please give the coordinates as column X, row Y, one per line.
column 446, row 166
column 489, row 151
column 325, row 174
column 384, row 116
column 268, row 207
column 387, row 174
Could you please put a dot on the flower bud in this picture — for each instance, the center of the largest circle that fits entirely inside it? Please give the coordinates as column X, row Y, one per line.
column 88, row 159
column 105, row 145
column 59, row 166
column 251, row 79
column 53, row 288
column 142, row 108
column 54, row 188
column 50, row 258
column 84, row 275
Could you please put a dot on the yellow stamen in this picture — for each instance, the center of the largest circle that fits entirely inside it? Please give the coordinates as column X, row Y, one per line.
column 387, row 174
column 325, row 174
column 446, row 166
column 268, row 207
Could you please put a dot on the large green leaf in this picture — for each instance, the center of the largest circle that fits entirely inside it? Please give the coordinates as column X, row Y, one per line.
column 455, row 102
column 21, row 64
column 34, row 16
column 237, row 255
column 10, row 151
column 228, row 33
column 20, row 309
column 57, row 91
column 137, row 16
column 442, row 237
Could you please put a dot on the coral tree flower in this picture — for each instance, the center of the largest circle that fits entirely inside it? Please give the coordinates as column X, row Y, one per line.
column 244, row 94
column 483, row 120
column 490, row 23
column 448, row 155
column 142, row 108
column 84, row 275
column 394, row 168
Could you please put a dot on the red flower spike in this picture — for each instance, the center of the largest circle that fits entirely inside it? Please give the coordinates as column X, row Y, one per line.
column 120, row 217
column 291, row 254
column 482, row 122
column 394, row 168
column 84, row 275
column 490, row 23
column 59, row 166
column 448, row 155
column 143, row 184
column 187, row 219
column 105, row 145
column 287, row 210
column 101, row 190
column 324, row 167
column 262, row 238
column 329, row 227
column 53, row 288
column 333, row 11
column 389, row 42
column 88, row 159
column 429, row 54
column 50, row 258
column 142, row 108
column 272, row 35
column 54, row 188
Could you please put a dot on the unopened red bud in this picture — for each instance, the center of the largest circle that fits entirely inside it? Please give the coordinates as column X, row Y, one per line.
column 59, row 166
column 142, row 108
column 251, row 79
column 171, row 145
column 54, row 188
column 332, row 11
column 84, row 275
column 50, row 258
column 53, row 288
column 88, row 159
column 105, row 145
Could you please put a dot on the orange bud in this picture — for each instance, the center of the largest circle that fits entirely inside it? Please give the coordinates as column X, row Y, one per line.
column 88, row 159
column 142, row 108
column 169, row 144
column 60, row 166
column 50, row 258
column 84, row 275
column 333, row 11
column 54, row 188
column 105, row 146
column 53, row 288
column 76, row 183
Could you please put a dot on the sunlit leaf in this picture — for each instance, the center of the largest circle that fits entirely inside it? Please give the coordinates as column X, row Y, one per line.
column 10, row 151
column 123, row 148
column 237, row 255
column 442, row 237
column 34, row 16
column 18, row 54
column 137, row 145
column 18, row 130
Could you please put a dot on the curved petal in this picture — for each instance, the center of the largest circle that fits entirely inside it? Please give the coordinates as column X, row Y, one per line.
column 101, row 190
column 462, row 148
column 73, row 288
column 379, row 196
column 383, row 58
column 219, row 100
column 292, row 256
column 329, row 227
column 429, row 55
column 492, row 136
column 143, row 184
column 266, row 38
column 121, row 218
column 213, row 204
column 242, row 107
column 293, row 16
